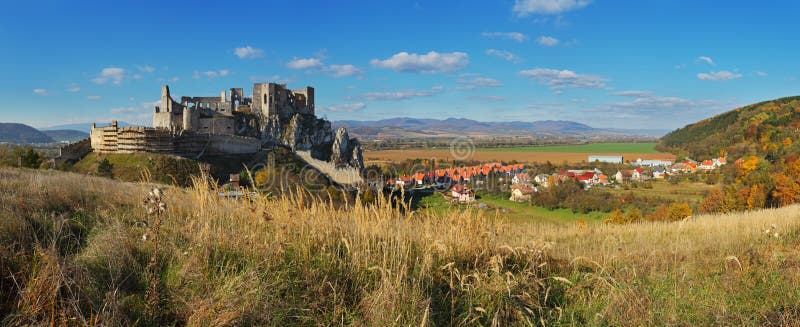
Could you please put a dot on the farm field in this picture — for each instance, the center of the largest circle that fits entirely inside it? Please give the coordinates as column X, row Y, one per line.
column 556, row 153
column 510, row 211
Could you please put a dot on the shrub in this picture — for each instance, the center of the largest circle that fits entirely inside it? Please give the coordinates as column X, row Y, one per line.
column 105, row 168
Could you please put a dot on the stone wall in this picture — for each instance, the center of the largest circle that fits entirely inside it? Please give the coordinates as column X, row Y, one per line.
column 113, row 139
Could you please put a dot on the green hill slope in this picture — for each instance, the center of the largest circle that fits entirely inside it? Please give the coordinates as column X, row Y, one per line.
column 767, row 129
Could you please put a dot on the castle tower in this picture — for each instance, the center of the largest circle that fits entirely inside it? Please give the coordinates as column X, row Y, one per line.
column 166, row 100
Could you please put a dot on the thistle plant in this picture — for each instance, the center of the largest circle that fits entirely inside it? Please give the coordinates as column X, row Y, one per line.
column 156, row 208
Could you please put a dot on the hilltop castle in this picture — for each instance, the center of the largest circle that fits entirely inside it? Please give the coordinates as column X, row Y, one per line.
column 233, row 124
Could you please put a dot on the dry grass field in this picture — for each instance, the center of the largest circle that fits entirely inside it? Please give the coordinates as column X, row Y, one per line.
column 77, row 250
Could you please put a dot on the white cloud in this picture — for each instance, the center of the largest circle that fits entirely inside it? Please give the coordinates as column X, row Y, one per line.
column 40, row 91
column 705, row 59
column 722, row 75
column 305, row 63
column 399, row 95
column 74, row 89
column 503, row 54
column 274, row 78
column 210, row 73
column 633, row 93
column 115, row 75
column 344, row 70
column 146, row 68
column 472, row 83
column 548, row 41
column 516, row 36
column 125, row 110
column 563, row 79
column 762, row 74
column 347, row 107
column 248, row 52
column 94, row 97
column 432, row 62
column 495, row 98
column 546, row 7
column 143, row 110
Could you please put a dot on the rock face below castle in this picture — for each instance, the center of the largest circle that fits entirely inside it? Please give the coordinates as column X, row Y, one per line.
column 234, row 124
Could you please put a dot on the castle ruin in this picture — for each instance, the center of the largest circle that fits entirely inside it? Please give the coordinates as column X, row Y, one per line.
column 233, row 124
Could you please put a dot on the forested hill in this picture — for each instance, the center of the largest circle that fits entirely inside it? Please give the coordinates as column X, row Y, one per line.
column 767, row 129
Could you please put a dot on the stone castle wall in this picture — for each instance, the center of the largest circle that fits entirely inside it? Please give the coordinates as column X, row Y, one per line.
column 114, row 139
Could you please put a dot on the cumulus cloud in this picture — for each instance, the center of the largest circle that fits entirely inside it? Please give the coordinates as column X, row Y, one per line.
column 40, row 91
column 114, row 75
column 705, row 59
column 399, row 95
column 432, row 62
column 633, row 93
column 346, row 107
column 503, row 54
column 305, row 63
column 94, row 97
column 563, row 79
column 344, row 70
column 516, row 36
column 74, row 89
column 471, row 83
column 524, row 8
column 547, row 41
column 248, row 52
column 211, row 73
column 722, row 75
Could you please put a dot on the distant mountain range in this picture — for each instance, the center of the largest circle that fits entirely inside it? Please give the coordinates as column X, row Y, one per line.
column 24, row 134
column 420, row 128
column 21, row 133
column 83, row 127
column 66, row 135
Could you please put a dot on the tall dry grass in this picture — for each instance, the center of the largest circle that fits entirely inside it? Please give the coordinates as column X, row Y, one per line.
column 76, row 250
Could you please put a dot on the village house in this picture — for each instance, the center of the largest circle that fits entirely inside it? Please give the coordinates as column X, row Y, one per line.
column 521, row 178
column 659, row 172
column 707, row 165
column 651, row 162
column 602, row 179
column 522, row 192
column 462, row 194
column 637, row 174
column 542, row 180
column 623, row 176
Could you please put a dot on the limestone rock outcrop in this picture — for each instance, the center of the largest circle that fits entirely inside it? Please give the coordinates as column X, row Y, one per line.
column 303, row 132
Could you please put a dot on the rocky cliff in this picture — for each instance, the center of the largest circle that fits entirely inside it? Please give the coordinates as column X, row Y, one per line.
column 304, row 132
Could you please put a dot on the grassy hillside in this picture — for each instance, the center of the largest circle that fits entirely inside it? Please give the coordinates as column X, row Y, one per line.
column 758, row 129
column 129, row 167
column 83, row 250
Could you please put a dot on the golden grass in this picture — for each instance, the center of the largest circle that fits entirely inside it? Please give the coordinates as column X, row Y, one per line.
column 296, row 260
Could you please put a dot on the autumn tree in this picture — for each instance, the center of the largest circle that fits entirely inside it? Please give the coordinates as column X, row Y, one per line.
column 679, row 211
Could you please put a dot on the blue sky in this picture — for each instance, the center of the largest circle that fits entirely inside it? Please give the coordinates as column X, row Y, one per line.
column 619, row 64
